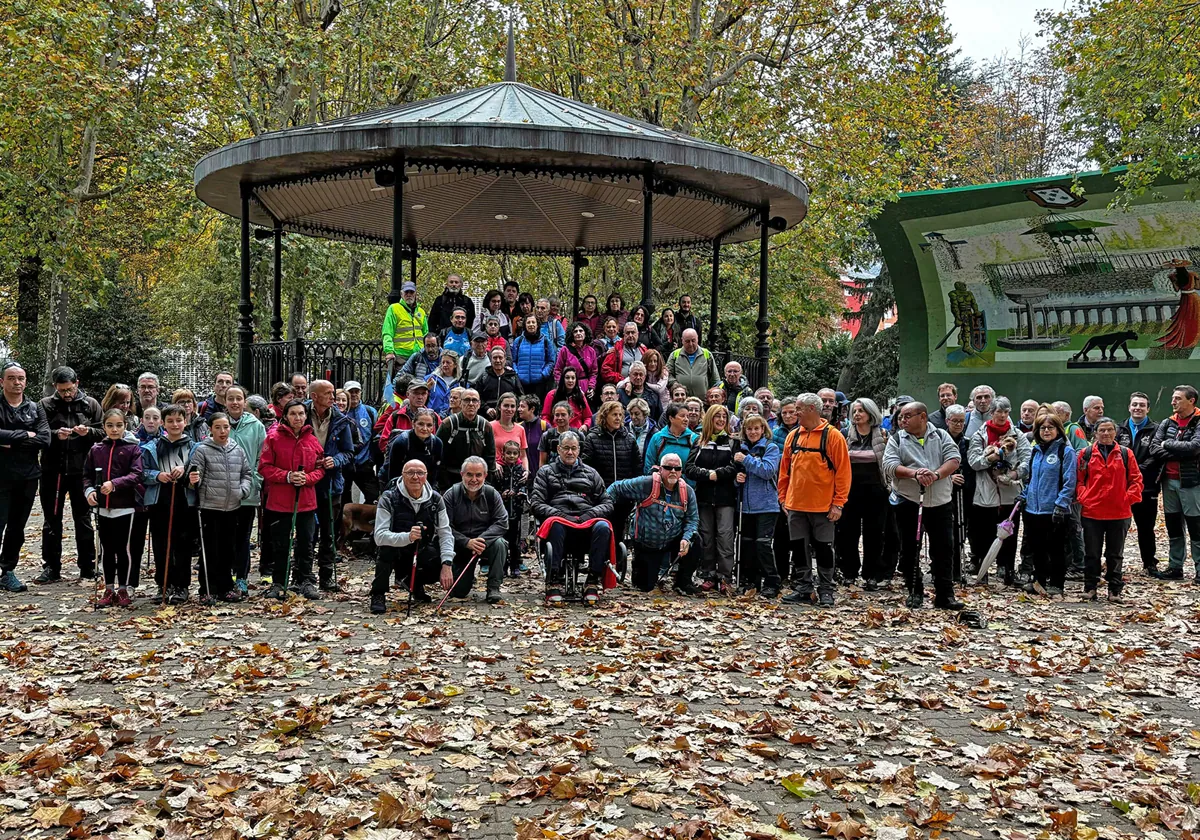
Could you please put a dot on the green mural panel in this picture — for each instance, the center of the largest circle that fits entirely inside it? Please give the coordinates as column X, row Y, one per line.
column 1044, row 293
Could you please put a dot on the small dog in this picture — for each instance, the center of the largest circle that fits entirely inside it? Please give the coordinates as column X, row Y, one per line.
column 360, row 518
column 1002, row 471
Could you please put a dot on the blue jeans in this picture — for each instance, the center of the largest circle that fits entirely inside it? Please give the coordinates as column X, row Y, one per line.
column 562, row 539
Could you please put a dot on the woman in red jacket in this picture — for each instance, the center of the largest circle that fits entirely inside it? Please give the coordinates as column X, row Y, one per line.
column 1108, row 481
column 291, row 464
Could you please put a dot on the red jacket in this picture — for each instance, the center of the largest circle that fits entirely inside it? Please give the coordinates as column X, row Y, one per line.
column 610, row 367
column 284, row 452
column 1106, row 488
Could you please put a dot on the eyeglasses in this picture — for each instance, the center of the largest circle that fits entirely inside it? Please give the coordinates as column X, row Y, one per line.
column 670, row 468
column 415, row 473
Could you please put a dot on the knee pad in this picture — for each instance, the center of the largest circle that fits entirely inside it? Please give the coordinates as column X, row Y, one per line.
column 1174, row 522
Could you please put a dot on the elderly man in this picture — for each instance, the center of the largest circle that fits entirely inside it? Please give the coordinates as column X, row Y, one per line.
column 665, row 520
column 1029, row 410
column 411, row 526
column 981, row 408
column 734, row 387
column 570, row 503
column 74, row 420
column 216, row 401
column 147, row 394
column 616, row 363
column 920, row 461
column 549, row 327
column 404, row 325
column 814, row 483
column 1177, row 444
column 1075, row 433
column 947, row 396
column 24, row 433
column 1093, row 410
column 635, row 389
column 693, row 366
column 496, row 380
column 478, row 359
column 829, row 404
column 335, row 431
column 479, row 522
column 441, row 314
column 463, row 434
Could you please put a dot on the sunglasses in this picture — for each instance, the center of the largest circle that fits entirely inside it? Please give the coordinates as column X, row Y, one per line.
column 671, row 469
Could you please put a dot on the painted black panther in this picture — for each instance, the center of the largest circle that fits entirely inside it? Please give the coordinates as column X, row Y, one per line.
column 1108, row 345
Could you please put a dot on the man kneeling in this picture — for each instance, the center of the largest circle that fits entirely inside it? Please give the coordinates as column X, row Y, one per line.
column 411, row 525
column 479, row 523
column 664, row 523
column 570, row 503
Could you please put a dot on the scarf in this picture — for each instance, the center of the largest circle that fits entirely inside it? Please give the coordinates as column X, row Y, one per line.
column 995, row 432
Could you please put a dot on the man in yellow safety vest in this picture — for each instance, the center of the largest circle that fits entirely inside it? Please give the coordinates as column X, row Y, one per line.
column 404, row 326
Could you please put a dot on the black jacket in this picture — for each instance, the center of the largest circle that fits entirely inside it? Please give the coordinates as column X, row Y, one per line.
column 484, row 517
column 1150, row 464
column 717, row 456
column 688, row 322
column 575, row 493
column 612, row 454
column 20, row 460
column 444, row 306
column 1180, row 444
column 649, row 395
column 490, row 387
column 462, row 438
column 67, row 456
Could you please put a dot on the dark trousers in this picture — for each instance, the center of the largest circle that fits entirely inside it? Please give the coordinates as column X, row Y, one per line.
column 495, row 557
column 219, row 547
column 802, row 575
column 785, row 550
column 55, row 491
column 245, row 517
column 399, row 561
column 649, row 564
column 758, row 561
column 597, row 541
column 1075, row 551
column 1107, row 535
column 116, row 534
column 279, row 530
column 172, row 530
column 16, row 503
column 983, row 522
column 891, row 545
column 1047, row 542
column 865, row 515
column 1145, row 514
column 327, row 517
column 363, row 476
column 137, row 544
column 512, row 541
column 937, row 524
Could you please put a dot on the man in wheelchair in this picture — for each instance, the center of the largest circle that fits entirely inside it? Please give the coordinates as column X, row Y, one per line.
column 570, row 504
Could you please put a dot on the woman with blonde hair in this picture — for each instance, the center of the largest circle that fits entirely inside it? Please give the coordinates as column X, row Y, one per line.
column 712, row 470
column 196, row 428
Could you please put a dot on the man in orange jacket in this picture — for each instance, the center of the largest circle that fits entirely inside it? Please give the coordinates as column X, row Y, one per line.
column 814, row 482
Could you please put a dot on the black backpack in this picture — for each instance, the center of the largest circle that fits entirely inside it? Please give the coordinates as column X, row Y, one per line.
column 1082, row 473
column 796, row 447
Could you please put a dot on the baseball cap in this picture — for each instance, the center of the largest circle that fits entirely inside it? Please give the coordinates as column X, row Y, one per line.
column 479, row 335
column 352, row 385
column 409, row 286
column 417, row 385
column 903, row 399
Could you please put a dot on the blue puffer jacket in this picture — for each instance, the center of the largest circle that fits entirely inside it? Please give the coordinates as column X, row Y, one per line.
column 780, row 432
column 1043, row 490
column 760, row 493
column 532, row 360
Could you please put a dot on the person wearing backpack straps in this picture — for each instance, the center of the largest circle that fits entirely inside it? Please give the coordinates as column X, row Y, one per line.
column 814, row 483
column 665, row 521
column 463, row 434
column 1046, row 502
column 1109, row 482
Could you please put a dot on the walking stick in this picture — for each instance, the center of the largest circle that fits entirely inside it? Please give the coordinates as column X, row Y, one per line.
column 916, row 573
column 203, row 554
column 167, row 558
column 332, row 534
column 412, row 582
column 99, row 545
column 454, row 585
column 287, row 568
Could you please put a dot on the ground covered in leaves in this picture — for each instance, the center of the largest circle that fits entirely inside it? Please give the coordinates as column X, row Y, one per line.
column 651, row 716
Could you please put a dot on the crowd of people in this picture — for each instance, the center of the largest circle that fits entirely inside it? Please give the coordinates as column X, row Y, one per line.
column 628, row 454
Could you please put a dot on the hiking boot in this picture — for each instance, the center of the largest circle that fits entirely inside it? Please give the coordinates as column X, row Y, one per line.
column 1075, row 573
column 233, row 596
column 124, row 599
column 1054, row 592
column 798, row 597
column 176, row 596
column 1089, row 594
column 276, row 592
column 1151, row 568
column 330, row 585
column 207, row 600
column 915, row 600
column 1010, row 578
column 48, row 575
column 493, row 596
column 1170, row 574
column 770, row 593
column 420, row 595
column 107, row 599
column 308, row 591
column 514, row 572
column 685, row 588
column 1114, row 596
column 591, row 596
column 378, row 604
column 870, row 585
column 949, row 603
column 708, row 586
column 825, row 599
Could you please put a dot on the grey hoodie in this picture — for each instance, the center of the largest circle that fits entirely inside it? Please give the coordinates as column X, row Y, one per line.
column 225, row 477
column 398, row 494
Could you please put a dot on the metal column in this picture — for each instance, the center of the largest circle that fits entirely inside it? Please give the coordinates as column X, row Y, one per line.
column 762, row 349
column 713, row 292
column 398, row 228
column 277, row 295
column 648, row 237
column 578, row 261
column 245, row 305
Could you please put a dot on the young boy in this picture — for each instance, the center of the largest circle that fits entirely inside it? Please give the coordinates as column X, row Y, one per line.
column 512, row 480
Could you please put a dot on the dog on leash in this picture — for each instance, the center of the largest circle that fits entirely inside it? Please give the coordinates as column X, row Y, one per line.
column 356, row 518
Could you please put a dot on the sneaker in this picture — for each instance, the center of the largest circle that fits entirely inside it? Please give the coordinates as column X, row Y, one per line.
column 1055, row 592
column 1075, row 574
column 1038, row 589
column 277, row 592
column 708, row 586
column 378, row 604
column 825, row 599
column 266, row 580
column 47, row 575
column 107, row 599
column 685, row 588
column 1089, row 594
column 523, row 568
column 330, row 585
column 176, row 596
column 1170, row 574
column 950, row 603
column 9, row 582
column 514, row 573
column 915, row 600
column 1151, row 569
column 309, row 591
column 233, row 596
column 207, row 600
column 554, row 597
column 493, row 596
column 798, row 597
column 591, row 596
column 870, row 585
column 1114, row 597
column 770, row 593
column 242, row 588
column 124, row 599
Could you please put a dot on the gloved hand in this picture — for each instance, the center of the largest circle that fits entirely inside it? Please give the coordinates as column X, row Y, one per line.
column 1060, row 515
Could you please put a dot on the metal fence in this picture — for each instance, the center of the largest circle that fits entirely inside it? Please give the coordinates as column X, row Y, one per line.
column 339, row 361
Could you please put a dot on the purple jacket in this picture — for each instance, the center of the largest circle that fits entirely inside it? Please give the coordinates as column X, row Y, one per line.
column 585, row 364
column 119, row 462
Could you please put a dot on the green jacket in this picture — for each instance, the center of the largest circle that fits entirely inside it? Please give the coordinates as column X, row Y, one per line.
column 404, row 331
column 249, row 433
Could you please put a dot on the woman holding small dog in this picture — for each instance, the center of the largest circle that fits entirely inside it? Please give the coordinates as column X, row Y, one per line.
column 998, row 454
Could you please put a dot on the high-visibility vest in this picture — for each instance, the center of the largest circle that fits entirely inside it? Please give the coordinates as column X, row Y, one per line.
column 408, row 330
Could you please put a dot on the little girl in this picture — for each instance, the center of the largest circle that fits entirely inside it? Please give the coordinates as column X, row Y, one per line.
column 151, row 425
column 512, row 480
column 149, row 429
column 220, row 473
column 112, row 474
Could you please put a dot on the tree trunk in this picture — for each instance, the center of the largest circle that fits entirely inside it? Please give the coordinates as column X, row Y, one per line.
column 870, row 315
column 295, row 321
column 29, row 300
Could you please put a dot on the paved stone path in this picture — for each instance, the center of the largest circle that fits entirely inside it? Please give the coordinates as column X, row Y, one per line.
column 661, row 716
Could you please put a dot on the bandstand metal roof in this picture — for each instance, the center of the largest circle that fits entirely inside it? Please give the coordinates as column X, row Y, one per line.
column 501, row 168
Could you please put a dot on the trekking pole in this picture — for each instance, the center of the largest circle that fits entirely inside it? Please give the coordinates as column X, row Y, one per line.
column 287, row 568
column 412, row 580
column 203, row 553
column 453, row 586
column 99, row 544
column 332, row 534
column 917, row 573
column 167, row 558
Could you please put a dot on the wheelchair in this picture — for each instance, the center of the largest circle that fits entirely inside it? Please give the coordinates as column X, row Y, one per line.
column 574, row 568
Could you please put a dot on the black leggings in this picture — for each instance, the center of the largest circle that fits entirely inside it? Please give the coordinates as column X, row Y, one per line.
column 115, row 535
